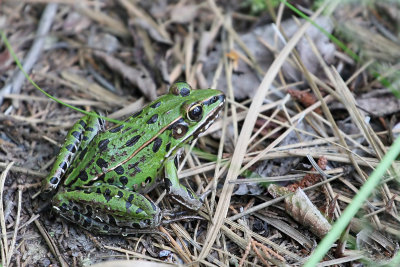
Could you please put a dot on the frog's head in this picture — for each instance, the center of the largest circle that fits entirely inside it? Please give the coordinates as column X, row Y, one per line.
column 198, row 110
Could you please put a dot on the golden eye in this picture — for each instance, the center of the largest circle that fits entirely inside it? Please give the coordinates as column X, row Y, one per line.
column 195, row 112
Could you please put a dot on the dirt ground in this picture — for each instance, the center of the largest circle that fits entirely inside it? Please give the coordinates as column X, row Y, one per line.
column 310, row 112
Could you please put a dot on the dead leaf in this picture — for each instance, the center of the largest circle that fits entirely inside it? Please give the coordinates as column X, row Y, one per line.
column 152, row 31
column 96, row 90
column 378, row 103
column 75, row 23
column 245, row 78
column 305, row 97
column 310, row 178
column 184, row 13
column 105, row 42
column 138, row 76
column 300, row 208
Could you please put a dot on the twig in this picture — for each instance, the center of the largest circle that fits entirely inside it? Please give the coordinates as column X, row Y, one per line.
column 246, row 253
column 23, row 170
column 253, row 244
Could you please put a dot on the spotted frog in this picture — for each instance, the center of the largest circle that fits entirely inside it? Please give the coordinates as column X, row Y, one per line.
column 100, row 177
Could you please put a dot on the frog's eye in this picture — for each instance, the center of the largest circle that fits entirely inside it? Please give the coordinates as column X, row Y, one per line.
column 195, row 112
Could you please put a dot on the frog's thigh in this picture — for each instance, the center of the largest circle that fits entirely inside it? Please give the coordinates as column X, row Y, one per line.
column 107, row 209
column 81, row 133
column 180, row 193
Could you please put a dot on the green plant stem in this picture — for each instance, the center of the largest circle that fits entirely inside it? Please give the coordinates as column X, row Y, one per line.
column 12, row 53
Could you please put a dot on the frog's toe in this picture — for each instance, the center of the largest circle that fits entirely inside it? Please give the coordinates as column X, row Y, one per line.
column 203, row 196
column 181, row 218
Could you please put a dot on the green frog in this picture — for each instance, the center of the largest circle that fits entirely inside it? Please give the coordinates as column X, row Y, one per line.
column 100, row 177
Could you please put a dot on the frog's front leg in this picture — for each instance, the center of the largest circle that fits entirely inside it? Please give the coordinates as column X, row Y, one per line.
column 183, row 195
column 77, row 138
column 107, row 209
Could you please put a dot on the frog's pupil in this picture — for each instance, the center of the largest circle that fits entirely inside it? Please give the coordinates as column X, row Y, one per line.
column 195, row 113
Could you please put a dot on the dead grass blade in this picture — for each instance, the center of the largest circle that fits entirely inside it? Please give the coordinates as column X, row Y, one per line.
column 138, row 76
column 51, row 243
column 96, row 90
column 287, row 229
column 16, row 227
column 130, row 263
column 112, row 24
column 258, row 237
column 278, row 199
column 369, row 134
column 176, row 246
column 146, row 21
column 4, row 250
column 80, row 102
column 22, row 170
column 241, row 146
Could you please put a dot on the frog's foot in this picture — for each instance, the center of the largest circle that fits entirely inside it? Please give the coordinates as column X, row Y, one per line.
column 173, row 213
column 204, row 196
column 193, row 203
column 181, row 218
column 185, row 197
column 43, row 207
column 107, row 209
column 176, row 213
column 178, row 192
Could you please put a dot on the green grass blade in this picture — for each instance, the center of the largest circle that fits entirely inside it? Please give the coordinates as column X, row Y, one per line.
column 355, row 205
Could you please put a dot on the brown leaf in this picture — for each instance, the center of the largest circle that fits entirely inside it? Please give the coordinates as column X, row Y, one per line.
column 310, row 178
column 305, row 98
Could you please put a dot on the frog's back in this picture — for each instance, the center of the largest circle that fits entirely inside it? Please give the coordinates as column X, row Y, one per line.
column 132, row 154
column 109, row 151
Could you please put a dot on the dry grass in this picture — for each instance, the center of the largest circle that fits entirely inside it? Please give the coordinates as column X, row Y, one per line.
column 97, row 52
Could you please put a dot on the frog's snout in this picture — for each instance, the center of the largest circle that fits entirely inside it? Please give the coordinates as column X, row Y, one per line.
column 221, row 98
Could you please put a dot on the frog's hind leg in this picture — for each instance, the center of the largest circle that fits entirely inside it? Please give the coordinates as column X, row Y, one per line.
column 180, row 193
column 76, row 140
column 107, row 209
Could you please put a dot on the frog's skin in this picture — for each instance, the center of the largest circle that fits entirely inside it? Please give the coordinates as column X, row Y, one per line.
column 100, row 176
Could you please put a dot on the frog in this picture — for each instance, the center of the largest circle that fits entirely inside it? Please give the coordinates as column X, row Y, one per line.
column 101, row 177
